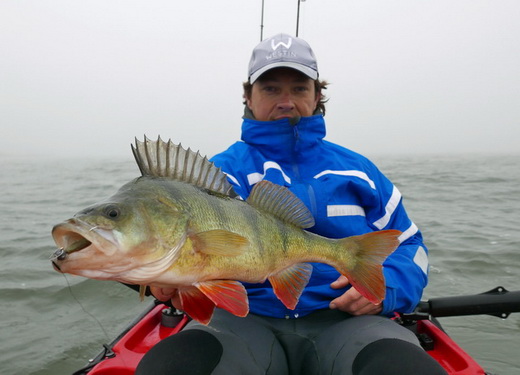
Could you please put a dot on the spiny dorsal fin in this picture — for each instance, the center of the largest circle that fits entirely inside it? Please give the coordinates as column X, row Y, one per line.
column 280, row 202
column 166, row 159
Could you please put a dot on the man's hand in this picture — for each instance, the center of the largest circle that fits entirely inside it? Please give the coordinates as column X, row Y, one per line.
column 165, row 294
column 352, row 301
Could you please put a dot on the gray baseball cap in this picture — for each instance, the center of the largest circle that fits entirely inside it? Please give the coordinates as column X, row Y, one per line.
column 282, row 50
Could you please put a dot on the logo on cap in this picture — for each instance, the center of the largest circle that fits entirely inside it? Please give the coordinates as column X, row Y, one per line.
column 286, row 45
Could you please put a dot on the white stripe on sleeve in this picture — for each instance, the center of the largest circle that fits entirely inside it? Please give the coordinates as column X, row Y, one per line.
column 344, row 210
column 408, row 233
column 389, row 209
column 421, row 259
column 352, row 173
column 253, row 178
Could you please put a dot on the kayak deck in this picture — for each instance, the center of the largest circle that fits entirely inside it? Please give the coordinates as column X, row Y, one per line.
column 127, row 350
column 445, row 351
column 122, row 356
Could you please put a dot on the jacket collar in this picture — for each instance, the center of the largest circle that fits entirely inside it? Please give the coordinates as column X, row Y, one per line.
column 280, row 139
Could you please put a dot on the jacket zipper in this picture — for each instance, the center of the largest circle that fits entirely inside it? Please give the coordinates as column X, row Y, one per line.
column 309, row 190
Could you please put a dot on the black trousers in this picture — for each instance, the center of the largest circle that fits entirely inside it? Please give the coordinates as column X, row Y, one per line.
column 325, row 342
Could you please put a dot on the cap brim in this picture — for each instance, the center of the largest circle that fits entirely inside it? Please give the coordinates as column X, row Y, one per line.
column 309, row 72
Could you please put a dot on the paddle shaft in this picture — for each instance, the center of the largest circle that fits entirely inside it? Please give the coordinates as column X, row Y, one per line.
column 498, row 302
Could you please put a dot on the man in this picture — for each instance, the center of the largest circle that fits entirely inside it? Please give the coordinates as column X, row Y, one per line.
column 333, row 329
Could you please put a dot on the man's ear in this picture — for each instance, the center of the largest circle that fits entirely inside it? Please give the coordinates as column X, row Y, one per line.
column 317, row 100
column 248, row 101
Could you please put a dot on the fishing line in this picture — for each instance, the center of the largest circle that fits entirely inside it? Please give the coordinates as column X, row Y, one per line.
column 83, row 308
column 108, row 353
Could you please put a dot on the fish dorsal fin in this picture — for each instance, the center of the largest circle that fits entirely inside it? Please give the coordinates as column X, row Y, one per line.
column 280, row 202
column 166, row 159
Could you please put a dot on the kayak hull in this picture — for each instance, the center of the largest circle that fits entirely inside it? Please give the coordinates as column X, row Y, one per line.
column 122, row 356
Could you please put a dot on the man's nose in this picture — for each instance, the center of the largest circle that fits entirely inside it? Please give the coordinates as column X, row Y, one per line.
column 286, row 103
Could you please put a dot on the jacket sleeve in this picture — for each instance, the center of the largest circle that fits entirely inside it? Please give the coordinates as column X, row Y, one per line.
column 406, row 269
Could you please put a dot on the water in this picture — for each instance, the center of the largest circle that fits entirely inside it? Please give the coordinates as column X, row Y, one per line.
column 467, row 207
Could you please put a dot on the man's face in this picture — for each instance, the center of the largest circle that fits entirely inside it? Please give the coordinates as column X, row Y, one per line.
column 282, row 93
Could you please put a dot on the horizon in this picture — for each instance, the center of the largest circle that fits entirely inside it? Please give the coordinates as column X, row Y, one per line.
column 405, row 77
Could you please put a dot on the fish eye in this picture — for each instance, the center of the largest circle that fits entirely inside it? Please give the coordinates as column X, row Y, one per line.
column 112, row 212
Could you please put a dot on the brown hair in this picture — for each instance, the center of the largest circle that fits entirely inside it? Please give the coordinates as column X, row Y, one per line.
column 319, row 86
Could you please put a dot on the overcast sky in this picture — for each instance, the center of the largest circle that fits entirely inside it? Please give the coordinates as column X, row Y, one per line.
column 83, row 78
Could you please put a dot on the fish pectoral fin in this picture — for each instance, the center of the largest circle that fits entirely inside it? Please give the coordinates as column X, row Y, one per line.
column 196, row 304
column 288, row 284
column 226, row 294
column 219, row 242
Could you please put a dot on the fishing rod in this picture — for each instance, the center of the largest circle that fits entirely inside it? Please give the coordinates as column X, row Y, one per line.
column 262, row 19
column 262, row 22
column 298, row 17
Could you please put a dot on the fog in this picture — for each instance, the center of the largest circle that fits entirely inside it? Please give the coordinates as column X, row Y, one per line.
column 83, row 78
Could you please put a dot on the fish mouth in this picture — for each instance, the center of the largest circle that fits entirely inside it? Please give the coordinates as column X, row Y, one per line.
column 69, row 237
column 56, row 266
column 74, row 242
column 75, row 235
column 62, row 253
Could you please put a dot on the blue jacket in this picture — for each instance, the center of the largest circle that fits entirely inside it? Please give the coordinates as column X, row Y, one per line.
column 347, row 195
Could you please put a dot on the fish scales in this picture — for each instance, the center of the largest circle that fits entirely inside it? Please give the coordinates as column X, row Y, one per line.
column 179, row 226
column 266, row 234
column 208, row 212
column 237, row 217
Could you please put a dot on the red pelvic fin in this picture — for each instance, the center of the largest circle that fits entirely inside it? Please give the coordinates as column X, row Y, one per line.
column 226, row 294
column 196, row 304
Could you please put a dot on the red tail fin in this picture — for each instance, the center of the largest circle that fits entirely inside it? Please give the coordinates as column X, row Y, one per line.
column 370, row 251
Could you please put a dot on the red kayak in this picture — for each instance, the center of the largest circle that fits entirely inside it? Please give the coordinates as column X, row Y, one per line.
column 158, row 322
